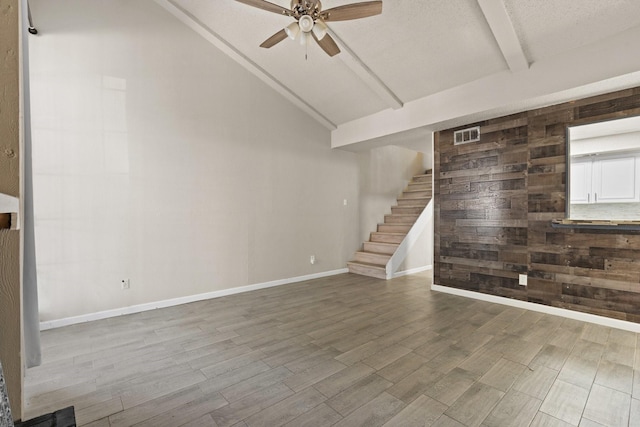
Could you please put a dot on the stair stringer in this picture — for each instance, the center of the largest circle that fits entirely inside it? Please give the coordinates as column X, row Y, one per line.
column 409, row 240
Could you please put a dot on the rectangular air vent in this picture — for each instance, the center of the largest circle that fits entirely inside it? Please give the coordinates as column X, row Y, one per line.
column 466, row 135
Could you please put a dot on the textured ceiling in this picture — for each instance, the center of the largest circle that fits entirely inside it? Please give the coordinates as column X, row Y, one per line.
column 423, row 47
column 416, row 48
column 325, row 83
column 547, row 28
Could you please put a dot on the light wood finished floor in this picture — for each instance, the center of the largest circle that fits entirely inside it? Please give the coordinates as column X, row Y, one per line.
column 345, row 350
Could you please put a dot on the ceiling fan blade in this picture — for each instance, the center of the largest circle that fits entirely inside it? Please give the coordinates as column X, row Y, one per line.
column 352, row 11
column 265, row 5
column 274, row 39
column 327, row 44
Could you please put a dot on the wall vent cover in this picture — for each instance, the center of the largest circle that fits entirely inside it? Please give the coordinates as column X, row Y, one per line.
column 465, row 136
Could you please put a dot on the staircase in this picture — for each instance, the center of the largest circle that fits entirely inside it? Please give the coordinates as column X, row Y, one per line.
column 376, row 254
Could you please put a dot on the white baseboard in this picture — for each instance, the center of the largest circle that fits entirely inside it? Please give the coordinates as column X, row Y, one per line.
column 563, row 312
column 412, row 271
column 51, row 324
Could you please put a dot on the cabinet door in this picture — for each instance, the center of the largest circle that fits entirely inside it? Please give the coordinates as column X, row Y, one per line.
column 581, row 182
column 616, row 180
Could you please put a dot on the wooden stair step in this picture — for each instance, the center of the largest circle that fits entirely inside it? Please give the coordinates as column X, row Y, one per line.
column 394, row 228
column 407, row 210
column 381, row 237
column 367, row 269
column 400, row 218
column 372, row 257
column 381, row 247
column 416, row 194
column 422, row 201
column 420, row 186
column 423, row 178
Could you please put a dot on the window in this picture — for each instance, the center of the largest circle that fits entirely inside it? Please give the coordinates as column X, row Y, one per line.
column 604, row 171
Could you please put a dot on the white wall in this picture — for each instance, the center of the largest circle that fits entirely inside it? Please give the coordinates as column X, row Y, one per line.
column 160, row 160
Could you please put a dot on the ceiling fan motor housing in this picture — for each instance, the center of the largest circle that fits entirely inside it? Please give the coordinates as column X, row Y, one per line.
column 302, row 8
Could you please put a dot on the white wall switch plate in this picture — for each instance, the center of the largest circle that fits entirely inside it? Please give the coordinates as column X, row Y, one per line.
column 522, row 280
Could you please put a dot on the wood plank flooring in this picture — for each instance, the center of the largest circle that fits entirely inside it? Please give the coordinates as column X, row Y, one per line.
column 345, row 350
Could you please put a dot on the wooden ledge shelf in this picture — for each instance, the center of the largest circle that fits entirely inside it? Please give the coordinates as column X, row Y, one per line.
column 596, row 224
column 63, row 418
column 9, row 208
column 5, row 221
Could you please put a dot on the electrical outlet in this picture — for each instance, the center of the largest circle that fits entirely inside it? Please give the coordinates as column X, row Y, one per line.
column 522, row 280
column 125, row 284
column 312, row 259
column 344, row 202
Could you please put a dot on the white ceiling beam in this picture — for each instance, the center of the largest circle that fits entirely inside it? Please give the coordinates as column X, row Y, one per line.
column 601, row 67
column 365, row 74
column 502, row 28
column 215, row 39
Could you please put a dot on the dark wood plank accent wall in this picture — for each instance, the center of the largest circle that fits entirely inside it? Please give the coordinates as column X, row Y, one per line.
column 494, row 203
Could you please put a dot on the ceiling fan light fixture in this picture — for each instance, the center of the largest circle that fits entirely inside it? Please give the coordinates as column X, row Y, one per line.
column 319, row 29
column 310, row 20
column 292, row 30
column 306, row 23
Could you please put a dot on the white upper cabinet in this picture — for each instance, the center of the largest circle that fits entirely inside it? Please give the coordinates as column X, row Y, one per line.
column 616, row 180
column 606, row 180
column 581, row 182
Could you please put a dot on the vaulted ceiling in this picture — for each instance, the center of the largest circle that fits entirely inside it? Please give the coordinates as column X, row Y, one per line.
column 396, row 69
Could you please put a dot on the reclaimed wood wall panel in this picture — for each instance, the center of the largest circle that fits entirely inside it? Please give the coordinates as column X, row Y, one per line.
column 481, row 209
column 494, row 203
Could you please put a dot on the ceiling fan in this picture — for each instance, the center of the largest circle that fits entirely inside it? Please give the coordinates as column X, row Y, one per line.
column 310, row 20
